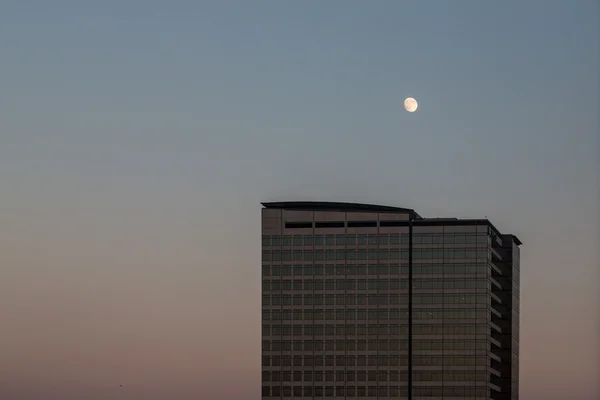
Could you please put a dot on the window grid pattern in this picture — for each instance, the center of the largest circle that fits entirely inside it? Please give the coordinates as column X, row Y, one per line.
column 335, row 316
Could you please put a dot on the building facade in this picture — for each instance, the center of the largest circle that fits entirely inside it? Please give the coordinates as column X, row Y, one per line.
column 375, row 302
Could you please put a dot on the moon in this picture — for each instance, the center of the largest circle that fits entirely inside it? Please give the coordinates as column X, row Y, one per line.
column 410, row 104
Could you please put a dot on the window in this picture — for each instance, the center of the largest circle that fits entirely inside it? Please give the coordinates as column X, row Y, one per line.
column 318, row 299
column 383, row 269
column 297, row 270
column 267, row 255
column 372, row 391
column 361, row 376
column 350, row 314
column 351, row 254
column 308, row 299
column 361, row 254
column 384, row 254
column 266, row 270
column 266, row 390
column 318, row 284
column 329, row 375
column 351, row 239
column 266, row 315
column 297, row 299
column 373, row 284
column 308, row 240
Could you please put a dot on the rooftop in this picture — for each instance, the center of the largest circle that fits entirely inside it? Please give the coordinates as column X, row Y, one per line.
column 338, row 206
column 361, row 207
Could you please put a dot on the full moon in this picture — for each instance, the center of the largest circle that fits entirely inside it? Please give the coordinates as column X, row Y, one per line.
column 411, row 104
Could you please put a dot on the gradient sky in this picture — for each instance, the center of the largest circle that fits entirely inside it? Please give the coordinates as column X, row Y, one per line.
column 137, row 139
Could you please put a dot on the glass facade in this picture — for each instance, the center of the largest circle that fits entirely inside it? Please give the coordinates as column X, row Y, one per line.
column 336, row 310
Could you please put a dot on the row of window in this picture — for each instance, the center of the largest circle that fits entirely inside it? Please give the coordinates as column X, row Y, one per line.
column 370, row 314
column 334, row 345
column 374, row 284
column 392, row 361
column 374, row 239
column 372, row 376
column 372, row 391
column 371, row 345
column 375, row 329
column 340, row 360
column 375, row 254
column 480, row 300
column 311, row 270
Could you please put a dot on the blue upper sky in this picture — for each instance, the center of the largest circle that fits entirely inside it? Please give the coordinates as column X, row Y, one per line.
column 184, row 115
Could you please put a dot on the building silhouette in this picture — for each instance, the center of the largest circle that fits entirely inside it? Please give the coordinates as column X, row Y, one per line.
column 374, row 302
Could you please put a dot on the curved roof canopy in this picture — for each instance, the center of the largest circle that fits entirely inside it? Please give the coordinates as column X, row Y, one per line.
column 338, row 206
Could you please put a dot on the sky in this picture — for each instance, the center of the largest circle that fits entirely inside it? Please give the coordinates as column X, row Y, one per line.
column 138, row 138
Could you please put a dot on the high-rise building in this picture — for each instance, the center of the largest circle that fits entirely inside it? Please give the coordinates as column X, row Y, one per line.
column 375, row 302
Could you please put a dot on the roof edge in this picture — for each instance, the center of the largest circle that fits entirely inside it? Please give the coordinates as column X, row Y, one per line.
column 337, row 206
column 468, row 221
